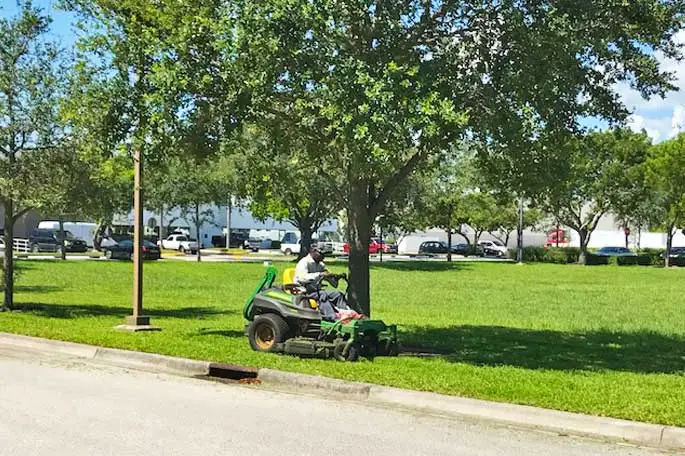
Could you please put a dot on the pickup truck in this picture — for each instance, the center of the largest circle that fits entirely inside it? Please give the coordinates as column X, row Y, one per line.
column 290, row 248
column 179, row 242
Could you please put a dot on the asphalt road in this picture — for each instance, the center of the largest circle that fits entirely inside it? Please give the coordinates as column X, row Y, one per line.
column 57, row 406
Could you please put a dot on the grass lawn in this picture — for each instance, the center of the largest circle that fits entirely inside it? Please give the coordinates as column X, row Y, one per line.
column 601, row 340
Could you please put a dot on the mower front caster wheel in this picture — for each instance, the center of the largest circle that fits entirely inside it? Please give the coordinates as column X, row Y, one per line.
column 351, row 355
column 266, row 331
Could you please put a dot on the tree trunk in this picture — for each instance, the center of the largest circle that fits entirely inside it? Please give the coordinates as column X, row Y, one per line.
column 449, row 244
column 476, row 236
column 584, row 240
column 358, row 236
column 669, row 244
column 62, row 241
column 462, row 234
column 197, row 230
column 8, row 259
column 99, row 235
column 306, row 234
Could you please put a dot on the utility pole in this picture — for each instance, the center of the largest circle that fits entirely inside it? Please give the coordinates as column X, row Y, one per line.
column 137, row 321
column 228, row 222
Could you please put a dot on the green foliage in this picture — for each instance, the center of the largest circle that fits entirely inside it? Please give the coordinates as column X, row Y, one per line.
column 274, row 172
column 597, row 173
column 561, row 255
column 376, row 92
column 665, row 177
column 596, row 260
column 653, row 257
column 33, row 141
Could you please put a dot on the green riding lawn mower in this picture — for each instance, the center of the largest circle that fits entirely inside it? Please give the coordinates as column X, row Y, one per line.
column 285, row 320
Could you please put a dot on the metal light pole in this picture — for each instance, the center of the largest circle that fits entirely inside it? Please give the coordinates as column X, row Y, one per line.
column 137, row 321
column 519, row 240
column 381, row 230
column 228, row 222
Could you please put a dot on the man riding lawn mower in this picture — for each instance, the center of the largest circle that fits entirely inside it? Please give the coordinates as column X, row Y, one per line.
column 301, row 317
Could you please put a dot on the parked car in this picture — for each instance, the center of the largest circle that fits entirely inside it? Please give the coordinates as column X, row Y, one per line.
column 615, row 252
column 384, row 246
column 179, row 242
column 269, row 244
column 326, row 247
column 676, row 257
column 493, row 248
column 124, row 251
column 375, row 246
column 468, row 250
column 434, row 248
column 252, row 244
column 42, row 240
column 237, row 240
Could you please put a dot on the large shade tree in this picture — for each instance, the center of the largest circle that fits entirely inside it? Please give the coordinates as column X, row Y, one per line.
column 32, row 85
column 281, row 184
column 665, row 173
column 383, row 85
column 592, row 177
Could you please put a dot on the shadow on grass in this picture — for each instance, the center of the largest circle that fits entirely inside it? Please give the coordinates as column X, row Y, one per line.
column 422, row 266
column 37, row 288
column 643, row 352
column 92, row 310
column 219, row 332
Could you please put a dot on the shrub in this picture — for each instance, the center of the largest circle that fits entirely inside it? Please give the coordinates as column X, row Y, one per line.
column 646, row 260
column 537, row 254
column 562, row 255
column 626, row 260
column 595, row 260
column 655, row 257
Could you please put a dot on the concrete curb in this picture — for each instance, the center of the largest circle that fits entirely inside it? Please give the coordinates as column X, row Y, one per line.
column 123, row 358
column 49, row 345
column 566, row 423
column 152, row 361
column 348, row 389
column 615, row 430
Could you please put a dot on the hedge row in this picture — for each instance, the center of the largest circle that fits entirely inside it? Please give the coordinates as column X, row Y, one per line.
column 560, row 255
column 566, row 255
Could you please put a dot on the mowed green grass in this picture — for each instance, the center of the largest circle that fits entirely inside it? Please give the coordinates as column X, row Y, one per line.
column 600, row 340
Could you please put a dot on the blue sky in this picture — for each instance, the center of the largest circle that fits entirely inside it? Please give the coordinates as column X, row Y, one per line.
column 61, row 29
column 661, row 118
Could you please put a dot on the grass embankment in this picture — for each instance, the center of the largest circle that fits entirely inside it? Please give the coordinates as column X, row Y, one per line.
column 604, row 340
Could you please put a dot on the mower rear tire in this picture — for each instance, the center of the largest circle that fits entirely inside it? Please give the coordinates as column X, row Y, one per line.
column 351, row 356
column 266, row 332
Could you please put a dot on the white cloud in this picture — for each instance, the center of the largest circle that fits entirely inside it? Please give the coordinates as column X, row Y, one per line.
column 678, row 120
column 638, row 123
column 662, row 118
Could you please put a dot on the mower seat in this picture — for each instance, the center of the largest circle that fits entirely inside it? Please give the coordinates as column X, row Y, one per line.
column 288, row 283
column 289, row 276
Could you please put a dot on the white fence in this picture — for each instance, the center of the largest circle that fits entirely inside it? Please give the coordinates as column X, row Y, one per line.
column 21, row 245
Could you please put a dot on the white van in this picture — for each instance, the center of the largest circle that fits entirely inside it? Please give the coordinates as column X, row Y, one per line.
column 81, row 230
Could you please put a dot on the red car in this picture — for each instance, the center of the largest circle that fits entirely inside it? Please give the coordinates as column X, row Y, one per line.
column 375, row 246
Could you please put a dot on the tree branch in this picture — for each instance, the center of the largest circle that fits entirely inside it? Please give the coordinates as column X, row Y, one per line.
column 394, row 182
